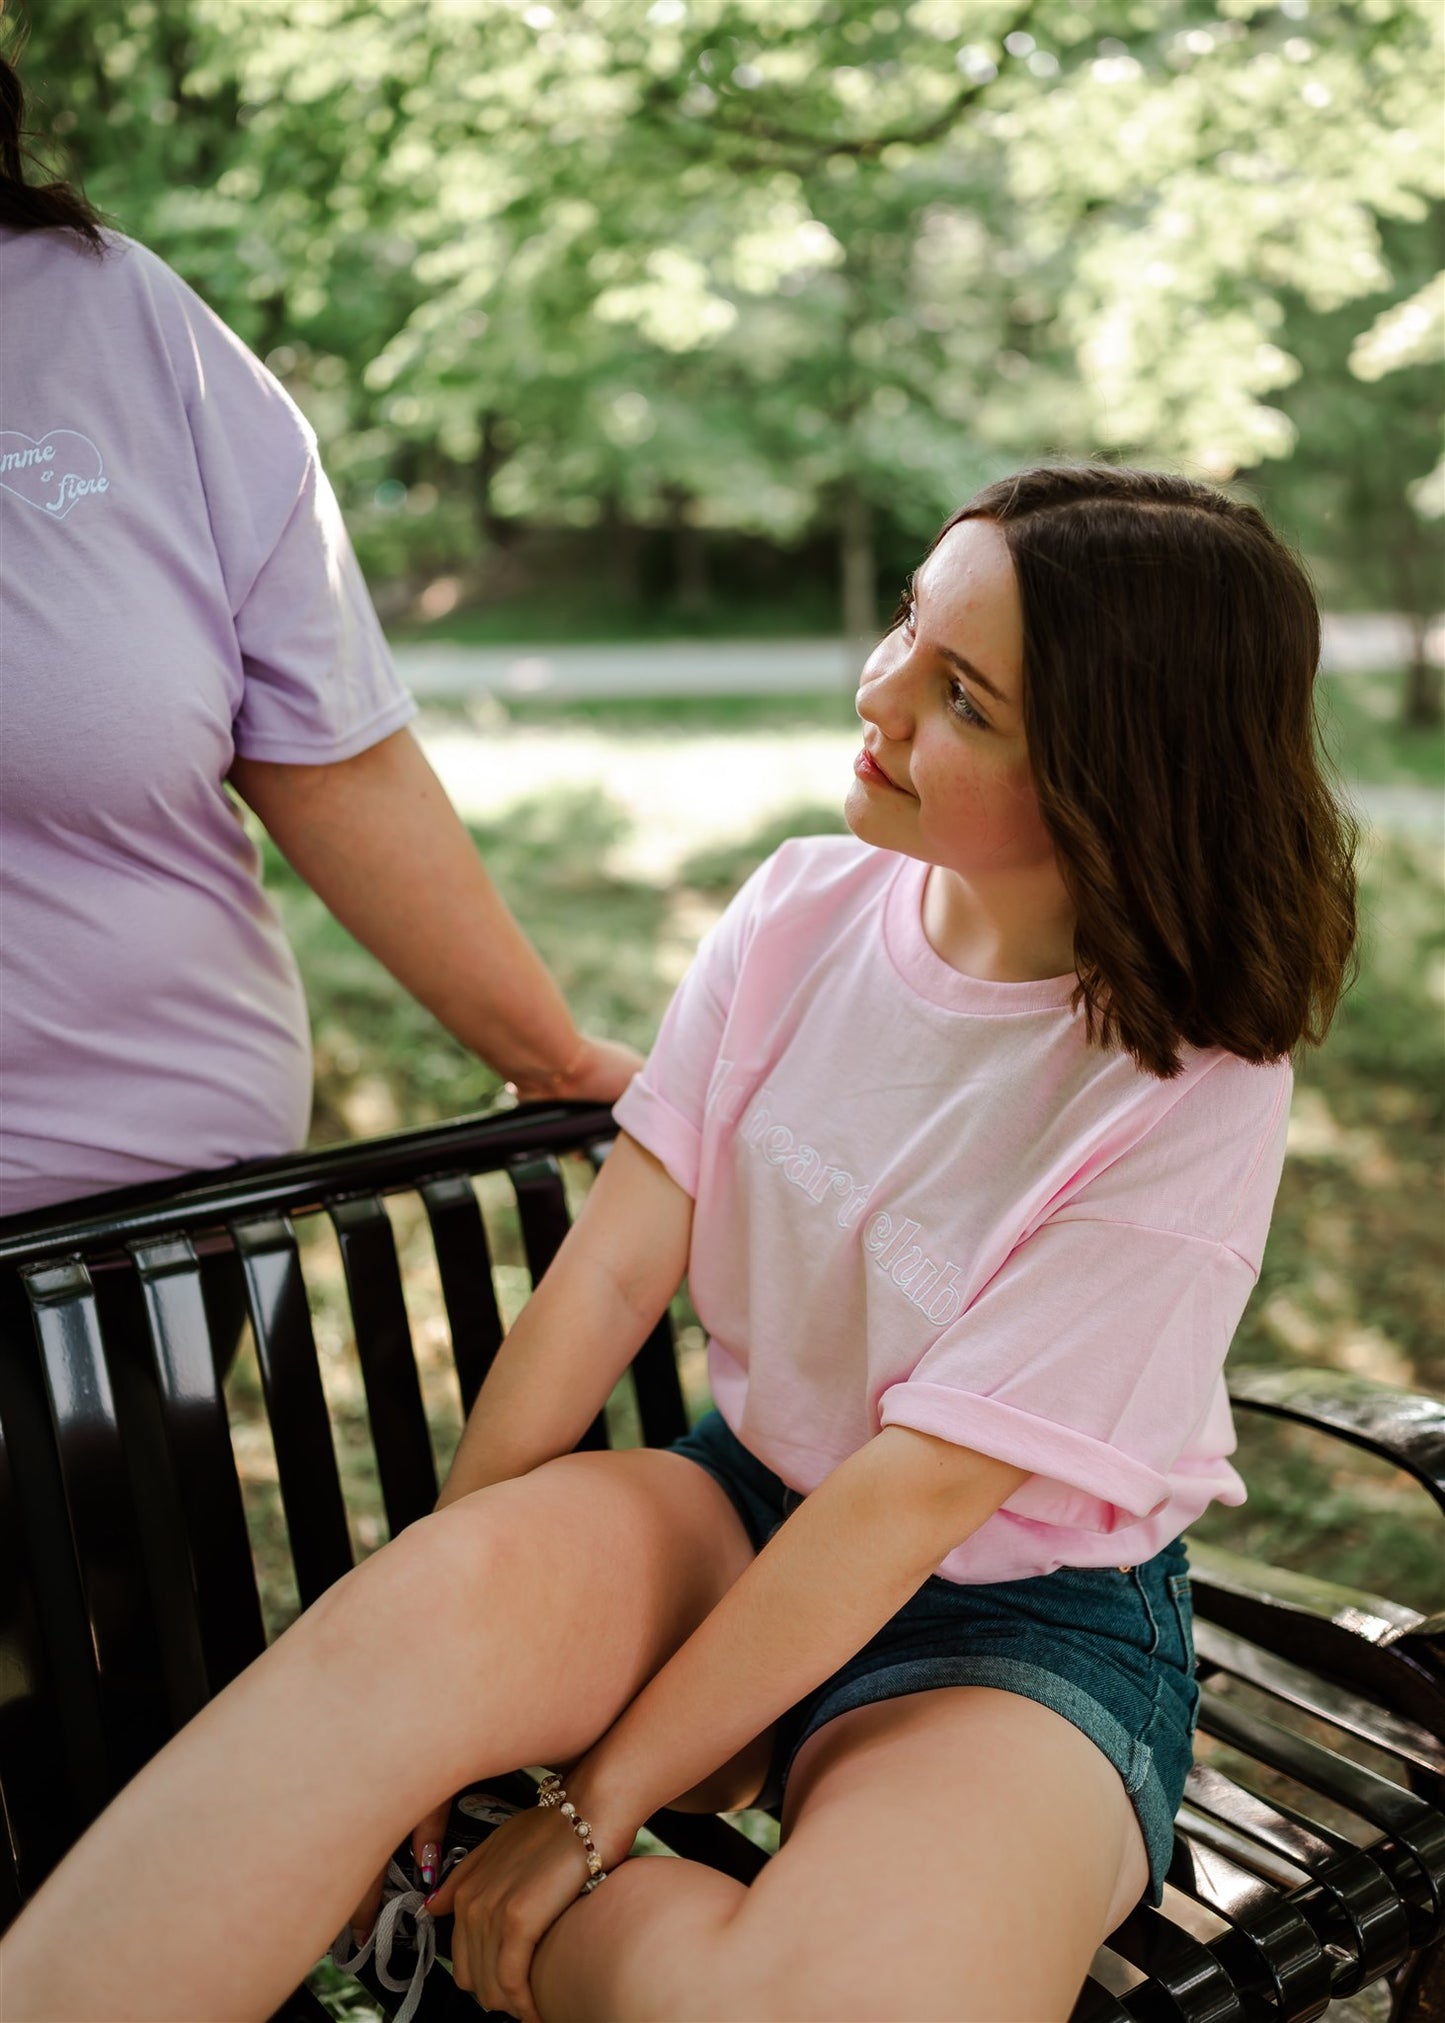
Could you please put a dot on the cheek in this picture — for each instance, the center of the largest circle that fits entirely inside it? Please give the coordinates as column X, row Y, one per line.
column 994, row 813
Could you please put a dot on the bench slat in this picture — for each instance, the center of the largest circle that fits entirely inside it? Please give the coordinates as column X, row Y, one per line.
column 1270, row 1952
column 404, row 1462
column 198, row 1440
column 1184, row 1977
column 464, row 1263
column 1350, row 1902
column 44, row 1635
column 295, row 1402
column 659, row 1394
column 1221, row 1650
column 711, row 1838
column 125, row 1653
column 1358, row 1639
column 542, row 1210
column 1417, row 1827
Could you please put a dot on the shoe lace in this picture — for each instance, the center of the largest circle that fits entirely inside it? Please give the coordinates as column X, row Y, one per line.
column 402, row 1902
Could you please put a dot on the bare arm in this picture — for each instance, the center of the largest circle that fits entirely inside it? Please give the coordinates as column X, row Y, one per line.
column 379, row 842
column 620, row 1264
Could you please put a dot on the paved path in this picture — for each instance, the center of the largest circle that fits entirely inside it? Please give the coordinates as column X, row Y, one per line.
column 1358, row 643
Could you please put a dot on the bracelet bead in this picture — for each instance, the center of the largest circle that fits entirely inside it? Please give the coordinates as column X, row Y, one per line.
column 552, row 1796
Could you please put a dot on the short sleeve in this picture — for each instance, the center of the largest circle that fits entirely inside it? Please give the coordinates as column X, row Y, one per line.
column 664, row 1107
column 319, row 684
column 1093, row 1355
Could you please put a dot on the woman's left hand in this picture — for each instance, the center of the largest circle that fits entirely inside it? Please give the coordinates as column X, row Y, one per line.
column 505, row 1896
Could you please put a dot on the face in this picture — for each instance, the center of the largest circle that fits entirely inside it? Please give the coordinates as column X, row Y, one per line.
column 944, row 771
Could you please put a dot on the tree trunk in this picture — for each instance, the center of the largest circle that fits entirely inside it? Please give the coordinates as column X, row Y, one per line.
column 858, row 573
column 624, row 551
column 1423, row 702
column 495, row 530
column 691, row 590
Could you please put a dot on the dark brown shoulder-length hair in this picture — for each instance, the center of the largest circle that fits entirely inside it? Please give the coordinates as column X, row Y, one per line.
column 1171, row 642
column 33, row 207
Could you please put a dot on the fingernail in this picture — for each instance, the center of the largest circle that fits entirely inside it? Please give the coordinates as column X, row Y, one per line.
column 429, row 1855
column 427, row 1902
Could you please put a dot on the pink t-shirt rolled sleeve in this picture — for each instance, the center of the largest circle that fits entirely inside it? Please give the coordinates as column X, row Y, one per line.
column 662, row 1131
column 1089, row 1359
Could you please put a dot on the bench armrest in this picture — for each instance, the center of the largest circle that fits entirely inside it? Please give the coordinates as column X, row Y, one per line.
column 1405, row 1428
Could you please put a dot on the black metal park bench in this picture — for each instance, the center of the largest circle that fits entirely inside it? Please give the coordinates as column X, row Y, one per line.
column 1309, row 1860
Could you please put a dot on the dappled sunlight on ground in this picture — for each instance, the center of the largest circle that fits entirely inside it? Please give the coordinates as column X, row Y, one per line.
column 678, row 793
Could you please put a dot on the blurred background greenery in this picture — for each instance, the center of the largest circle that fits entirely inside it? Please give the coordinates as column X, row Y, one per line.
column 651, row 319
column 708, row 310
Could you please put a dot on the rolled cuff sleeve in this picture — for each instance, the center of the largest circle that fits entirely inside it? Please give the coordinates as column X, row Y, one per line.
column 662, row 1131
column 1116, row 1489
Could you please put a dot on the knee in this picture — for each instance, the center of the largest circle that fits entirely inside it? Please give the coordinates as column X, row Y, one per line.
column 407, row 1587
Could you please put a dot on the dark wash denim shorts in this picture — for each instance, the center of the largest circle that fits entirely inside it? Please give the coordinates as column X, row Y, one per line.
column 1109, row 1648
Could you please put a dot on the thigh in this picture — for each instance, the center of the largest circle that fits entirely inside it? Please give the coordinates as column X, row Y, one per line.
column 547, row 1602
column 958, row 1853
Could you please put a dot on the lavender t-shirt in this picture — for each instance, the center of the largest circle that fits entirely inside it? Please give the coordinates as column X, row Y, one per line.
column 176, row 587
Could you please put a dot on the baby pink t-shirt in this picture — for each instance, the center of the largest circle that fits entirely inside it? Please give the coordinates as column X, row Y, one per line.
column 176, row 586
column 924, row 1200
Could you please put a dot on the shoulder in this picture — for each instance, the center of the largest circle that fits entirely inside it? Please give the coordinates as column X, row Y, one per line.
column 1201, row 1154
column 824, row 874
column 122, row 270
column 792, row 905
column 209, row 361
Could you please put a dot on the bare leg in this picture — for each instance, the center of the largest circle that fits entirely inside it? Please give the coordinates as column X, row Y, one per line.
column 957, row 1854
column 510, row 1628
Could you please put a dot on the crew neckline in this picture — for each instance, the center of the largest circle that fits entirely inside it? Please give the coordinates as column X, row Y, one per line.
column 924, row 970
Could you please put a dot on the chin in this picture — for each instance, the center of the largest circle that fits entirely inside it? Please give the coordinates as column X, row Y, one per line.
column 857, row 814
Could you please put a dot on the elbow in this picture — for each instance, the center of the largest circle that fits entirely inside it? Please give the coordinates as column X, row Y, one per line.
column 942, row 1492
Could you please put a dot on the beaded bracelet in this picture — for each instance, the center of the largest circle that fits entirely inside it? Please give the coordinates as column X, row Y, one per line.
column 550, row 1794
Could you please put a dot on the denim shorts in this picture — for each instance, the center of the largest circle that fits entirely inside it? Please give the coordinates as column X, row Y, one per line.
column 1109, row 1648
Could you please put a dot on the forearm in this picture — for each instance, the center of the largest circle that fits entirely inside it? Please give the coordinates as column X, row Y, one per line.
column 609, row 1283
column 846, row 1561
column 552, row 1375
column 377, row 839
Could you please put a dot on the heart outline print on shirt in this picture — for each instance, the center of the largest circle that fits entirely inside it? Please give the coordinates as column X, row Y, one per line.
column 51, row 472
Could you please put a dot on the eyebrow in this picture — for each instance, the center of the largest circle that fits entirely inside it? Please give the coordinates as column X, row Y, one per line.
column 965, row 666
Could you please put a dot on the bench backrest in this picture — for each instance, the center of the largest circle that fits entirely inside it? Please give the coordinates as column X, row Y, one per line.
column 128, row 1589
column 129, row 1593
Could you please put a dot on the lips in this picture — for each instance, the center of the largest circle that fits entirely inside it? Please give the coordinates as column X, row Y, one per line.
column 868, row 770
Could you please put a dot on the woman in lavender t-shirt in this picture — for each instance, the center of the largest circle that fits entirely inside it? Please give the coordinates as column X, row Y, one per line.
column 180, row 609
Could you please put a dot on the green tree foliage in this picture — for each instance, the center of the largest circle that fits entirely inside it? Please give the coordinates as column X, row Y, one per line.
column 760, row 264
column 1364, row 491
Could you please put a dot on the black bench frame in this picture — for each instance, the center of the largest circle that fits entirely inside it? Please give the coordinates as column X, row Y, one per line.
column 128, row 1592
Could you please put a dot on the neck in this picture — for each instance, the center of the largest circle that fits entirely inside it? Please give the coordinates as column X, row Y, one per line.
column 1018, row 928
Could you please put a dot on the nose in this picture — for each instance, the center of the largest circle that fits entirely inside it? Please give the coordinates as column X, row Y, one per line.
column 884, row 696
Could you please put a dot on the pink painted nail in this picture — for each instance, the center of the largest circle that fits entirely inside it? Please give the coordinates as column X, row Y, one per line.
column 429, row 1856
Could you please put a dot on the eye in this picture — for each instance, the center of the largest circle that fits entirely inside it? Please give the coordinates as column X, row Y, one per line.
column 904, row 614
column 962, row 707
